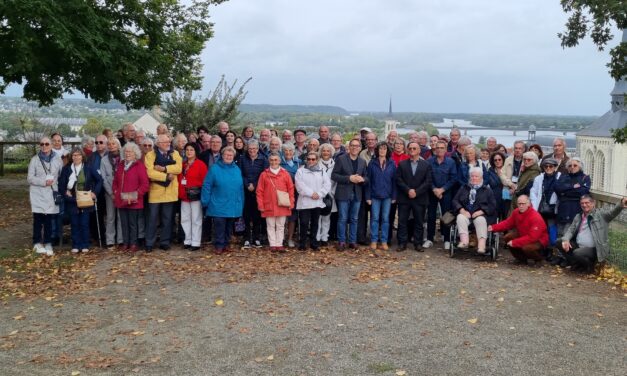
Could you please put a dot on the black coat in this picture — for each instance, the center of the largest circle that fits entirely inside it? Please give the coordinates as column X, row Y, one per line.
column 342, row 171
column 483, row 201
column 406, row 180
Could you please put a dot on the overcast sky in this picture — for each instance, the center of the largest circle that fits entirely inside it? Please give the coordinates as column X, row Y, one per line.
column 480, row 56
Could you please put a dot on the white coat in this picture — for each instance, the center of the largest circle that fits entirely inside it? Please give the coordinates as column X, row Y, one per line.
column 41, row 199
column 535, row 195
column 309, row 182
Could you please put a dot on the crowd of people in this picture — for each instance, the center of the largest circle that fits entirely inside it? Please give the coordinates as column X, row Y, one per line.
column 290, row 189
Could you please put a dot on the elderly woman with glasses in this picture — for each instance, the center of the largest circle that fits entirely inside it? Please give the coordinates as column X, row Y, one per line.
column 528, row 172
column 43, row 171
column 291, row 164
column 312, row 184
column 108, row 166
column 502, row 197
column 544, row 199
column 78, row 176
column 474, row 202
column 130, row 185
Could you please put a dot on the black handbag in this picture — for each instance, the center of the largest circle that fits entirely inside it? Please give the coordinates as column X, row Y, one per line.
column 58, row 198
column 328, row 205
column 193, row 193
column 546, row 208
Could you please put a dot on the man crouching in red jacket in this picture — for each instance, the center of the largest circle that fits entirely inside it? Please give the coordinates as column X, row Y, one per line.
column 529, row 236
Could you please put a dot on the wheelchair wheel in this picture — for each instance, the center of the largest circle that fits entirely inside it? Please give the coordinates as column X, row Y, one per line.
column 495, row 246
column 453, row 238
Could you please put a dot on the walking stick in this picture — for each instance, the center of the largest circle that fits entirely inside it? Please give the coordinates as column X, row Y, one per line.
column 98, row 223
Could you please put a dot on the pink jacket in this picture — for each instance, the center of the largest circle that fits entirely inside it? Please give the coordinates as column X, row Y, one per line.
column 135, row 179
column 267, row 201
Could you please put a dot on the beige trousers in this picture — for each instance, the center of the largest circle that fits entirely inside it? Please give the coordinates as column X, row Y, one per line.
column 276, row 231
column 481, row 226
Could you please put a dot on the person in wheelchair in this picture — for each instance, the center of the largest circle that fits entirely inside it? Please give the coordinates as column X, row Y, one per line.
column 474, row 202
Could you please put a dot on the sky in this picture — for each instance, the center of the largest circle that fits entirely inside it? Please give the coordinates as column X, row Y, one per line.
column 480, row 56
column 451, row 56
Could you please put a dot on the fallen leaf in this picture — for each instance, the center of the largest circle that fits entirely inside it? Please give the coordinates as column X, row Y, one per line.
column 13, row 332
column 270, row 357
column 473, row 320
column 76, row 373
column 160, row 320
column 501, row 299
column 138, row 333
column 219, row 302
column 20, row 317
column 259, row 359
column 57, row 305
column 400, row 372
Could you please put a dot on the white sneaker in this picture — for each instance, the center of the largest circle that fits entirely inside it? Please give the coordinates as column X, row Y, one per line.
column 291, row 244
column 74, row 250
column 447, row 245
column 246, row 244
column 38, row 248
column 257, row 244
column 427, row 244
column 481, row 251
column 85, row 250
column 48, row 248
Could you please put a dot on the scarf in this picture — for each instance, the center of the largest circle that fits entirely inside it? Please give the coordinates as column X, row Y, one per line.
column 74, row 177
column 44, row 157
column 314, row 168
column 275, row 171
column 114, row 159
column 473, row 194
column 128, row 165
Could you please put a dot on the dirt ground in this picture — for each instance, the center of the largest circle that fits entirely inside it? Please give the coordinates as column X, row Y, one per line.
column 252, row 312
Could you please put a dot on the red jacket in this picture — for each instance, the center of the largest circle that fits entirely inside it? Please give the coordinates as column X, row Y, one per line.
column 530, row 227
column 135, row 179
column 398, row 158
column 194, row 174
column 267, row 201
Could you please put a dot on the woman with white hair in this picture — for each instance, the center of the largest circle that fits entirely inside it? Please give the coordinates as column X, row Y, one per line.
column 130, row 184
column 326, row 164
column 474, row 202
column 108, row 166
column 528, row 172
column 43, row 172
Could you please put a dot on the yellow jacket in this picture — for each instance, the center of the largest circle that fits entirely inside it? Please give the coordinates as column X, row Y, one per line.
column 159, row 193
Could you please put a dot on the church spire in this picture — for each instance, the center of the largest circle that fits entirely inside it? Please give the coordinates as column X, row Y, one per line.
column 620, row 89
column 390, row 110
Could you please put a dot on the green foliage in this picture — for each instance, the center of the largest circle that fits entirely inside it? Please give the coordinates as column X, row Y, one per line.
column 596, row 18
column 129, row 50
column 93, row 127
column 183, row 113
column 620, row 135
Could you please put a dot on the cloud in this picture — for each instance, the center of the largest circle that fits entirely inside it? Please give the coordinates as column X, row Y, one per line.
column 479, row 56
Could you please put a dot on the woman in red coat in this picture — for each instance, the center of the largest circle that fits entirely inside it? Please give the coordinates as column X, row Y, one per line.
column 190, row 186
column 272, row 179
column 130, row 184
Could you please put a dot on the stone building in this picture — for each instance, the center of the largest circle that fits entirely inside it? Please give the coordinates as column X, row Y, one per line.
column 606, row 161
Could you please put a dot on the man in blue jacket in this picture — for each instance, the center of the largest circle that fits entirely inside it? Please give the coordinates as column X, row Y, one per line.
column 443, row 181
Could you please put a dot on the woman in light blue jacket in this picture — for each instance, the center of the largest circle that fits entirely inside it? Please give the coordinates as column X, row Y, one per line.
column 223, row 197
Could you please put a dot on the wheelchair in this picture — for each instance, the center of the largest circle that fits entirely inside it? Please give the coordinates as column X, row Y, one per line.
column 492, row 243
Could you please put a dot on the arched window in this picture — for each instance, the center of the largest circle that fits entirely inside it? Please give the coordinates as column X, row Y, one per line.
column 599, row 169
column 588, row 160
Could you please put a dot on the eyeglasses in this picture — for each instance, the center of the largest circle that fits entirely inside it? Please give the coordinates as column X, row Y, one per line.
column 527, row 159
column 100, row 142
column 147, row 145
column 412, row 148
column 312, row 159
column 522, row 203
column 44, row 144
column 355, row 146
column 498, row 160
column 440, row 147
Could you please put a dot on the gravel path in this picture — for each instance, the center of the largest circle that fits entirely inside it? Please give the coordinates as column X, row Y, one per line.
column 316, row 314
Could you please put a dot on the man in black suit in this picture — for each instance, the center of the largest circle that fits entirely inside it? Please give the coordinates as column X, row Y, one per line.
column 413, row 179
column 350, row 175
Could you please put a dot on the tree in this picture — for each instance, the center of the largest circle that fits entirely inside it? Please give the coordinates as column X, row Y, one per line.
column 93, row 127
column 129, row 50
column 596, row 17
column 185, row 114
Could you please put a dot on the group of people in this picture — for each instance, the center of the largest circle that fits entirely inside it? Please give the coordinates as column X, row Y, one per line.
column 267, row 187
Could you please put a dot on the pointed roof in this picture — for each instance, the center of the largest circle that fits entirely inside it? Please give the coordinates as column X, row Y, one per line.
column 616, row 117
column 390, row 110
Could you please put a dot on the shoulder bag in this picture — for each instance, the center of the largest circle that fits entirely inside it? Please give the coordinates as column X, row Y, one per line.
column 283, row 197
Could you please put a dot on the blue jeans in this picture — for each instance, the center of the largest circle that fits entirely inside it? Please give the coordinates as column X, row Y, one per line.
column 57, row 223
column 42, row 221
column 80, row 229
column 223, row 228
column 348, row 213
column 380, row 211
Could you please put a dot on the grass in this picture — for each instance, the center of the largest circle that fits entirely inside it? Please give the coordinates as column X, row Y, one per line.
column 11, row 168
column 618, row 246
column 381, row 367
